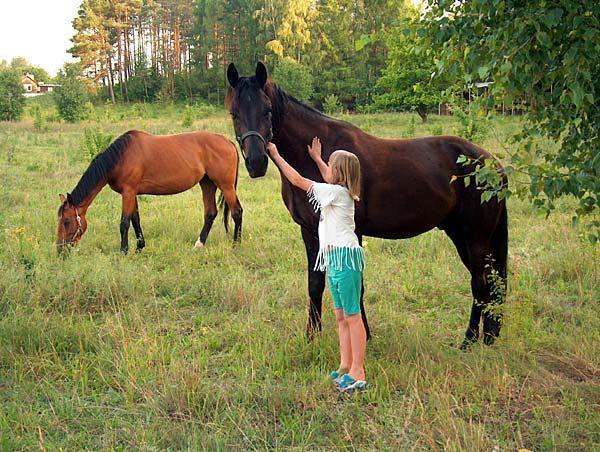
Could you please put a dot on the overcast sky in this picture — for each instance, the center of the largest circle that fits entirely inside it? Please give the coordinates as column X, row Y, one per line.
column 38, row 30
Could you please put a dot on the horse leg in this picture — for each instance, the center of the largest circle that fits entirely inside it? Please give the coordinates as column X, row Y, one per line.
column 481, row 285
column 363, row 313
column 472, row 333
column 128, row 207
column 316, row 283
column 492, row 321
column 209, row 191
column 236, row 211
column 137, row 227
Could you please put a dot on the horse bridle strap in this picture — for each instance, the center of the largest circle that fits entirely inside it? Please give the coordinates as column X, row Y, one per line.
column 79, row 226
column 252, row 133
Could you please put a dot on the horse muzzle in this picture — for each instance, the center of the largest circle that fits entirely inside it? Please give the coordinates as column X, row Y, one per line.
column 255, row 157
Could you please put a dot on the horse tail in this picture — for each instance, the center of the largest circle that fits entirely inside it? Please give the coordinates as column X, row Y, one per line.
column 500, row 242
column 222, row 204
column 225, row 207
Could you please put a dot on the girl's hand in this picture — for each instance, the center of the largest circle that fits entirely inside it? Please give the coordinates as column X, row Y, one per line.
column 272, row 150
column 314, row 150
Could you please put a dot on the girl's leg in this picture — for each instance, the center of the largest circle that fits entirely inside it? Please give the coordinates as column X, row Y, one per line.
column 345, row 344
column 358, row 343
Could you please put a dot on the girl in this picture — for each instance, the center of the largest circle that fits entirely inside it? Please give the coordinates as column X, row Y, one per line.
column 340, row 254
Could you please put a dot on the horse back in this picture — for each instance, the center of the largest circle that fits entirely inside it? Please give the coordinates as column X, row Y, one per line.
column 169, row 164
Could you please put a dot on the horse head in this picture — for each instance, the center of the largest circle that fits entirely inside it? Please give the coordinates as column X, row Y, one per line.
column 71, row 223
column 251, row 110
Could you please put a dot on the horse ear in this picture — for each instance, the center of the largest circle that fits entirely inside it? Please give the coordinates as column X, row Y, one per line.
column 70, row 199
column 62, row 198
column 261, row 74
column 232, row 75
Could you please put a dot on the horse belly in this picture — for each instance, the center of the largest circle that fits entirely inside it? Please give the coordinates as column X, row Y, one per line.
column 168, row 184
column 405, row 211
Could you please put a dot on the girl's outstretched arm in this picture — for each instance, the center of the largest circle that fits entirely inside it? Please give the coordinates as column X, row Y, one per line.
column 290, row 173
column 314, row 150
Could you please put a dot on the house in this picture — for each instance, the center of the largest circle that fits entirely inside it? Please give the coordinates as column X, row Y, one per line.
column 29, row 84
column 33, row 88
column 47, row 87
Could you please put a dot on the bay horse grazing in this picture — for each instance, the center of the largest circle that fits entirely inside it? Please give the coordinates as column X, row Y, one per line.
column 138, row 163
column 406, row 189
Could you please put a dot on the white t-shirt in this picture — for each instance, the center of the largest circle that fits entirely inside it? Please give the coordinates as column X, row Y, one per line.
column 336, row 227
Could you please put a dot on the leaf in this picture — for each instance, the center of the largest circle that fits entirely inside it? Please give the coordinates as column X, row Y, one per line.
column 577, row 95
column 506, row 67
column 483, row 71
column 362, row 42
column 486, row 196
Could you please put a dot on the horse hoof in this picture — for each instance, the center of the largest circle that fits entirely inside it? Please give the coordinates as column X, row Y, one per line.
column 467, row 344
column 198, row 245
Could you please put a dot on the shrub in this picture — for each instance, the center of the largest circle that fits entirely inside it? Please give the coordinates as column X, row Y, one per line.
column 294, row 78
column 12, row 101
column 331, row 104
column 72, row 100
column 472, row 122
column 93, row 142
column 188, row 116
column 39, row 122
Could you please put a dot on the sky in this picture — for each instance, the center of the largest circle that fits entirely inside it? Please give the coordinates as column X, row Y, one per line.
column 38, row 30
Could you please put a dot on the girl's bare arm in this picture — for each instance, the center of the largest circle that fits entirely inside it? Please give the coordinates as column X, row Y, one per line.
column 314, row 150
column 290, row 173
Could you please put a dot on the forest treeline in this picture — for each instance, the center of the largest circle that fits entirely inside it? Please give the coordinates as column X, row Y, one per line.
column 147, row 50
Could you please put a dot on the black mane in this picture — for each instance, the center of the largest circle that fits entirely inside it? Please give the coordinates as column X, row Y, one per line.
column 100, row 168
column 281, row 100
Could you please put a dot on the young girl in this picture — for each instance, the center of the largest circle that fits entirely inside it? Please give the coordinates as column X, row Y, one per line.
column 340, row 254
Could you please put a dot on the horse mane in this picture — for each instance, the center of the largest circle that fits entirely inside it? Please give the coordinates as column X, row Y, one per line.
column 100, row 168
column 280, row 101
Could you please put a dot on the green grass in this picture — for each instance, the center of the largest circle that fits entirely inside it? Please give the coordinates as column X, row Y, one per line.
column 174, row 349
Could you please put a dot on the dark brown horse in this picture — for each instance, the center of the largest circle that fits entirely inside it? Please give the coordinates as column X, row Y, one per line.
column 139, row 163
column 406, row 188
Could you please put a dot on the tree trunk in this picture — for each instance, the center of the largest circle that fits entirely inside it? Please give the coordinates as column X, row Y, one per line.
column 111, row 85
column 120, row 65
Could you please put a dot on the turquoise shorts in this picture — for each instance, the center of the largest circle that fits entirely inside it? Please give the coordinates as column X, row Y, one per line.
column 346, row 287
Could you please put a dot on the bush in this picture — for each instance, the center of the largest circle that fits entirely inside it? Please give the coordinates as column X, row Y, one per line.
column 72, row 100
column 93, row 142
column 294, row 78
column 332, row 105
column 12, row 101
column 39, row 122
column 472, row 122
column 188, row 116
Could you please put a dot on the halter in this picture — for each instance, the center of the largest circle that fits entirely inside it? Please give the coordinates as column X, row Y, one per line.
column 253, row 133
column 79, row 226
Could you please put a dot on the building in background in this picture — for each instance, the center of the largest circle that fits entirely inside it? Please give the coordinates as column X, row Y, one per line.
column 33, row 88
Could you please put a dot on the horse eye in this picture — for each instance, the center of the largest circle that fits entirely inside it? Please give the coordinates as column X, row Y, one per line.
column 234, row 115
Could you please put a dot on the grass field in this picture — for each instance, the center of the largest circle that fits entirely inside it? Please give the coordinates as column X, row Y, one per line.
column 174, row 349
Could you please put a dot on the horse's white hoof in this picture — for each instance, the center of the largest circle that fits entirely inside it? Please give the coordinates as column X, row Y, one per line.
column 198, row 245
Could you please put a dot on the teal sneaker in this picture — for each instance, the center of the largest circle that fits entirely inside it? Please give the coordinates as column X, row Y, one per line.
column 348, row 384
column 337, row 374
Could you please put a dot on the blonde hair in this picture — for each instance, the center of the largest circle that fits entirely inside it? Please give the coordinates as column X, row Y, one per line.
column 345, row 170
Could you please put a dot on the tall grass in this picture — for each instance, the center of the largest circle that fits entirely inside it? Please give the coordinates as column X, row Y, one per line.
column 175, row 349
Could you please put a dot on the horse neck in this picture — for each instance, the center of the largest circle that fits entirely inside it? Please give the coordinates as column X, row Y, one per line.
column 91, row 195
column 297, row 127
